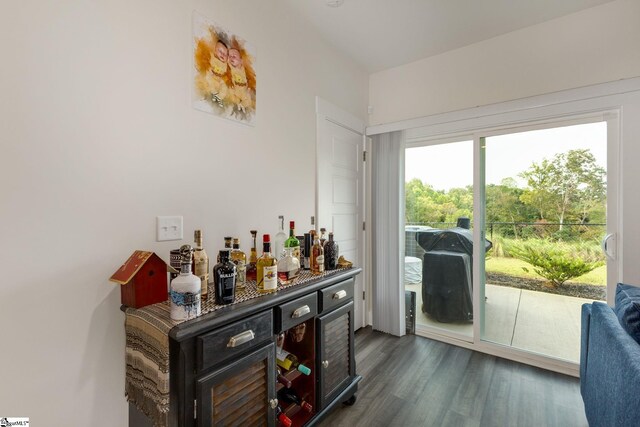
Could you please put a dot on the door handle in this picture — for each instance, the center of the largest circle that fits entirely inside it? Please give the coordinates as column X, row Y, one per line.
column 609, row 245
column 299, row 312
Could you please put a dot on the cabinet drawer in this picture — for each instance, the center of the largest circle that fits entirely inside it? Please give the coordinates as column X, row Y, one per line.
column 231, row 340
column 295, row 312
column 336, row 295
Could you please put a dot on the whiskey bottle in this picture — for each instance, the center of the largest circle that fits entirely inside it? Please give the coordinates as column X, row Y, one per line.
column 266, row 269
column 201, row 264
column 224, row 278
column 240, row 260
column 279, row 239
column 317, row 256
column 292, row 242
column 288, row 268
column 253, row 257
column 331, row 254
column 185, row 289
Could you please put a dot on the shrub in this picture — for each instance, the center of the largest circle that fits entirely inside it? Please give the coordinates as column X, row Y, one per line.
column 557, row 262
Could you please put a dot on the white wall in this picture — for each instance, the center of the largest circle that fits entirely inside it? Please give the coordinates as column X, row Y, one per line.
column 98, row 137
column 596, row 45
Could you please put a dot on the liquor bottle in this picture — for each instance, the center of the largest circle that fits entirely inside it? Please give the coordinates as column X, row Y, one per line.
column 185, row 289
column 292, row 242
column 282, row 417
column 317, row 256
column 289, row 395
column 201, row 264
column 279, row 240
column 288, row 267
column 253, row 257
column 266, row 269
column 289, row 361
column 240, row 260
column 323, row 238
column 331, row 253
column 227, row 245
column 224, row 278
column 308, row 243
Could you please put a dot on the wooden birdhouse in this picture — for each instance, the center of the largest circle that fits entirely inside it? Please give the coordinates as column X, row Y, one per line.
column 142, row 279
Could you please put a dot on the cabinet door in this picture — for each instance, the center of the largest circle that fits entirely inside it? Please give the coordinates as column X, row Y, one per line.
column 240, row 393
column 336, row 363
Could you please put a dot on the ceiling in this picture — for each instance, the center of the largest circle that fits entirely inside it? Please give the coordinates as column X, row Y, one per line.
column 381, row 34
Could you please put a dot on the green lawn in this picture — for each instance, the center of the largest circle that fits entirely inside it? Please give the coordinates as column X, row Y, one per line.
column 513, row 267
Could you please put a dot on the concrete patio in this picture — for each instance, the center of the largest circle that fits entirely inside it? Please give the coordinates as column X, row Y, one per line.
column 539, row 322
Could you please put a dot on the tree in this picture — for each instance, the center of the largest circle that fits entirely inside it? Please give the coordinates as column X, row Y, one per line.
column 570, row 185
column 504, row 204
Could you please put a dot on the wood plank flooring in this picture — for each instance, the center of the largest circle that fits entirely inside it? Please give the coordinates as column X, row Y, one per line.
column 414, row 381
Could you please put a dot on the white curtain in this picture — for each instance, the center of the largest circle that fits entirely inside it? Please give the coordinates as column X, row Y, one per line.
column 387, row 232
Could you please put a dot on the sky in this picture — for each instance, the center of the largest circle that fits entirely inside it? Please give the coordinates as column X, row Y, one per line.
column 447, row 166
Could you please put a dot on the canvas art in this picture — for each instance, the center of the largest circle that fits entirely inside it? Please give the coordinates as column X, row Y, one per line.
column 224, row 75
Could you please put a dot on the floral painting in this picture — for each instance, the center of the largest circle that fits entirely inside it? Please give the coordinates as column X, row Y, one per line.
column 224, row 74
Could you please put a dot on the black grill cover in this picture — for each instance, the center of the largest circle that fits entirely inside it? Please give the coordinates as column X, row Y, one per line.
column 446, row 286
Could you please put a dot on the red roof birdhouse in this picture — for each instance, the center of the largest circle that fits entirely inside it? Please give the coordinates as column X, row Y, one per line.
column 142, row 279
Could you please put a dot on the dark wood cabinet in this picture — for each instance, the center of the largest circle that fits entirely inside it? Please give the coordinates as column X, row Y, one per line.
column 222, row 365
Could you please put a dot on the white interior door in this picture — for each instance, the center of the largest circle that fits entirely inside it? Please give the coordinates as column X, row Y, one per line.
column 340, row 195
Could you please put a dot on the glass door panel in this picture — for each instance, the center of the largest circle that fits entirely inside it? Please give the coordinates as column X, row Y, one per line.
column 545, row 199
column 438, row 236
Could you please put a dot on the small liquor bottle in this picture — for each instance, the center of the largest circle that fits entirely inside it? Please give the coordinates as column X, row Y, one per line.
column 317, row 256
column 224, row 278
column 201, row 264
column 323, row 237
column 292, row 242
column 185, row 289
column 266, row 269
column 308, row 243
column 331, row 253
column 279, row 239
column 288, row 267
column 253, row 257
column 240, row 260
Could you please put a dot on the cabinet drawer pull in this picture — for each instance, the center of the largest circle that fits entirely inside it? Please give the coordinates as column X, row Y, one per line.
column 340, row 294
column 325, row 364
column 240, row 339
column 273, row 403
column 299, row 312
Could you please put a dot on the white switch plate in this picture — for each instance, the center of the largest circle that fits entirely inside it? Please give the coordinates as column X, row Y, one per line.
column 168, row 228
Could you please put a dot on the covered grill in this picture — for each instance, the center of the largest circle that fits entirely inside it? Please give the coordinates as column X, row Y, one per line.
column 447, row 273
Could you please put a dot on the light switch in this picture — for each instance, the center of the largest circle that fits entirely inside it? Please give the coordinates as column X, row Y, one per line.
column 168, row 228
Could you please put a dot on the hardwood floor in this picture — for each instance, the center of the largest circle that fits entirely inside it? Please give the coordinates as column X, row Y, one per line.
column 414, row 381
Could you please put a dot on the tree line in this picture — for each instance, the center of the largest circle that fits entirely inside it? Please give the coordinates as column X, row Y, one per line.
column 568, row 188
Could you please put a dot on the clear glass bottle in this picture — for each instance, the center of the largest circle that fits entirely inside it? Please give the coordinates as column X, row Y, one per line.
column 224, row 278
column 292, row 242
column 279, row 239
column 288, row 267
column 331, row 254
column 253, row 257
column 240, row 260
column 266, row 269
column 185, row 289
column 317, row 256
column 201, row 264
